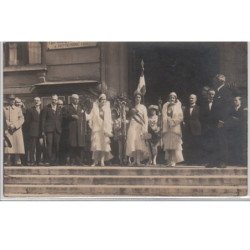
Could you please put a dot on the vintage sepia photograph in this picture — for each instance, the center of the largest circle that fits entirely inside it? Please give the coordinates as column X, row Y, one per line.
column 124, row 119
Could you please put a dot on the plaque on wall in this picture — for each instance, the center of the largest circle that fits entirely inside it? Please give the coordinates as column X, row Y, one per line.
column 69, row 45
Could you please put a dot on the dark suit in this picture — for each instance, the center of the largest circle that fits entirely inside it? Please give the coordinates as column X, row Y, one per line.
column 208, row 125
column 34, row 131
column 51, row 125
column 215, row 139
column 192, row 133
column 77, row 132
column 235, row 130
column 221, row 110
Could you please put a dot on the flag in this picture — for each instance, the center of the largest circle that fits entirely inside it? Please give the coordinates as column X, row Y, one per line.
column 142, row 84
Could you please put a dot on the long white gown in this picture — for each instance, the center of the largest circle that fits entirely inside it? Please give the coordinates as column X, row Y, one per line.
column 135, row 141
column 172, row 136
column 100, row 123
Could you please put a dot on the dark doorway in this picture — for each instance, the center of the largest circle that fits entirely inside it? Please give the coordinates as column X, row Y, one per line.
column 183, row 67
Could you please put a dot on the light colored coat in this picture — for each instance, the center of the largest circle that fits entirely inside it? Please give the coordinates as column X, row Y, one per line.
column 13, row 116
column 172, row 124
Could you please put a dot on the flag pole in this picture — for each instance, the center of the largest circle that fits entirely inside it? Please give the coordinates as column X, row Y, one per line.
column 142, row 73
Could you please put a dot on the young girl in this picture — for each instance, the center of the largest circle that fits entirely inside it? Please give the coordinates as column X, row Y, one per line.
column 154, row 130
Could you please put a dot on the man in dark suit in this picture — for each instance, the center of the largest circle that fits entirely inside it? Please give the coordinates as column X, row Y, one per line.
column 34, row 131
column 208, row 125
column 220, row 112
column 76, row 129
column 51, row 127
column 192, row 132
column 236, row 128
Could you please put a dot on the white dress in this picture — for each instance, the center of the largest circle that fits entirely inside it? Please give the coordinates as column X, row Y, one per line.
column 137, row 127
column 172, row 116
column 101, row 130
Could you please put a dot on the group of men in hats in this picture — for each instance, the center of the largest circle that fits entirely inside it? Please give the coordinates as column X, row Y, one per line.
column 37, row 136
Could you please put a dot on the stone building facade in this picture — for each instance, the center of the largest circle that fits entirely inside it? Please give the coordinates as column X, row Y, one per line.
column 88, row 68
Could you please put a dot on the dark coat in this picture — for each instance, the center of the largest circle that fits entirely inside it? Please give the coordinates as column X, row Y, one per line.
column 207, row 117
column 77, row 128
column 222, row 104
column 192, row 122
column 34, row 122
column 235, row 119
column 51, row 121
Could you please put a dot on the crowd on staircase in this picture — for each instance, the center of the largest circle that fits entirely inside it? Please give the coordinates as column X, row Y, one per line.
column 211, row 134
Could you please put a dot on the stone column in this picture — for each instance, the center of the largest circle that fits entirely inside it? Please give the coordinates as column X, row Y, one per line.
column 35, row 50
column 233, row 62
column 114, row 68
column 13, row 54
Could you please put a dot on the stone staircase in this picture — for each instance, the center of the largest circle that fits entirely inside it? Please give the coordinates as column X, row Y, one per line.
column 124, row 181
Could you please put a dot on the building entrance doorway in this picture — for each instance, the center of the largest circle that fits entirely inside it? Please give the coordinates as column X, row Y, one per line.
column 181, row 67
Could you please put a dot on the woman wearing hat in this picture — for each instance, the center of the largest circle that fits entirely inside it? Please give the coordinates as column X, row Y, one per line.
column 154, row 130
column 136, row 145
column 172, row 116
column 100, row 122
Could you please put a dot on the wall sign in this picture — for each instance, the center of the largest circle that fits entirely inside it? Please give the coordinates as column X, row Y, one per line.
column 69, row 45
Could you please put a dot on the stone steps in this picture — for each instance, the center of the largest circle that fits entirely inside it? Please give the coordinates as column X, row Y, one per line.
column 125, row 190
column 65, row 181
column 137, row 171
column 127, row 180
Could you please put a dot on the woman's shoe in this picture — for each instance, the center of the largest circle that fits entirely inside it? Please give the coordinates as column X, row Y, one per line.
column 94, row 164
column 172, row 164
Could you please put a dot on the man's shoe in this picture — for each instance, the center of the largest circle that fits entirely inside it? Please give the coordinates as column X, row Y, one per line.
column 210, row 165
column 222, row 165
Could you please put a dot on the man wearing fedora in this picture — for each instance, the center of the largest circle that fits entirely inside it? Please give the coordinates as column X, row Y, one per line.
column 13, row 131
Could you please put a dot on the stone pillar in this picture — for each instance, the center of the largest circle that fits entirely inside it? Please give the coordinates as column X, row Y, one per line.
column 233, row 62
column 114, row 68
column 13, row 54
column 35, row 52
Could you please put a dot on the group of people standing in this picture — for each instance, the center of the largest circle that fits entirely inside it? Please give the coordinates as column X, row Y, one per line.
column 57, row 133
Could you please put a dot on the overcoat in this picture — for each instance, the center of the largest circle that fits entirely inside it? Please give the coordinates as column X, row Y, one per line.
column 76, row 127
column 13, row 116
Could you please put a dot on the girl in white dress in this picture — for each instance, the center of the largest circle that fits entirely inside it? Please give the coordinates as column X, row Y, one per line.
column 154, row 130
column 172, row 116
column 100, row 123
column 136, row 146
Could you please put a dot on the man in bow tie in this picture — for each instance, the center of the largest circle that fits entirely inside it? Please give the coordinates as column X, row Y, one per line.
column 192, row 132
column 219, row 106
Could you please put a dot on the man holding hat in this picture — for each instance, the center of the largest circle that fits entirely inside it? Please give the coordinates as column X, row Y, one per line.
column 14, row 120
column 76, row 130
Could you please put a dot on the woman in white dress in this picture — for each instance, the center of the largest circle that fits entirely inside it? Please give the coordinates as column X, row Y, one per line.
column 136, row 146
column 100, row 123
column 172, row 116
